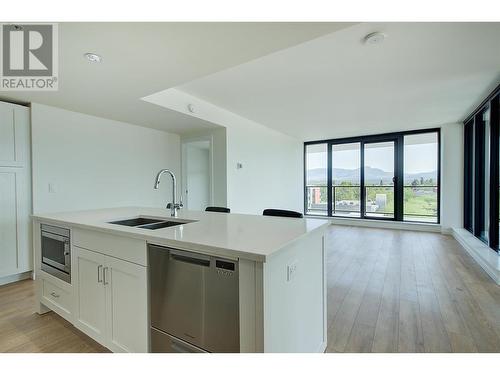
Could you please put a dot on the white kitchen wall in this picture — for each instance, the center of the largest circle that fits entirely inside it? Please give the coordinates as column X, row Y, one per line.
column 86, row 162
column 272, row 163
column 272, row 169
column 218, row 138
column 452, row 167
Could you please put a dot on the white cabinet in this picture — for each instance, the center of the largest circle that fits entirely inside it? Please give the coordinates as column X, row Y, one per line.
column 7, row 134
column 14, row 135
column 15, row 191
column 8, row 217
column 91, row 295
column 111, row 301
column 57, row 296
column 126, row 303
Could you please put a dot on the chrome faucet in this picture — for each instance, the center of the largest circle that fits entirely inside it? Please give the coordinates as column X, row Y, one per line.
column 174, row 207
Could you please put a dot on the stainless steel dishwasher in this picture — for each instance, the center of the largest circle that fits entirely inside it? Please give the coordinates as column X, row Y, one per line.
column 194, row 302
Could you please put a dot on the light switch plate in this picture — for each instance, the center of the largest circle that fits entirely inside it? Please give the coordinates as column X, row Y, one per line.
column 291, row 271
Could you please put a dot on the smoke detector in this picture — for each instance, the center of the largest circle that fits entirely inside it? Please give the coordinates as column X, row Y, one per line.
column 93, row 57
column 374, row 38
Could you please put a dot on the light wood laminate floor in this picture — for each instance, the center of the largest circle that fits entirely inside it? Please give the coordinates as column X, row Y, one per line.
column 23, row 330
column 388, row 291
column 402, row 291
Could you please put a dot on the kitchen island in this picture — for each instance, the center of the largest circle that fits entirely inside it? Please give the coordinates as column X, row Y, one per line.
column 280, row 271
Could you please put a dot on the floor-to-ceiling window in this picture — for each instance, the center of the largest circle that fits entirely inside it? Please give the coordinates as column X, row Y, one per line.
column 481, row 171
column 495, row 171
column 388, row 177
column 346, row 179
column 316, row 197
column 379, row 178
column 469, row 175
column 484, row 196
column 421, row 177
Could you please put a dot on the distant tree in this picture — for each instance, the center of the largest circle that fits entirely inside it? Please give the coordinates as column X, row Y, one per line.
column 421, row 180
column 414, row 182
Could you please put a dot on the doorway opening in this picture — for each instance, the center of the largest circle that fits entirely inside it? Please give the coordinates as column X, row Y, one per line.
column 197, row 168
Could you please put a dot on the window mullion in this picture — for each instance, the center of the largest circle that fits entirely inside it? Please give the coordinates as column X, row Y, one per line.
column 329, row 179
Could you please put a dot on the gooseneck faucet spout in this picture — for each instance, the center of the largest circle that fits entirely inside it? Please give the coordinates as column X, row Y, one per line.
column 174, row 207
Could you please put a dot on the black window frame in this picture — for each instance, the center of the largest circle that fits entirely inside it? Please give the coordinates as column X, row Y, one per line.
column 475, row 173
column 398, row 138
column 479, row 174
column 468, row 176
column 494, row 170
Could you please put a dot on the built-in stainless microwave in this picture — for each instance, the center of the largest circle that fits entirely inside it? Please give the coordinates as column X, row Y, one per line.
column 56, row 251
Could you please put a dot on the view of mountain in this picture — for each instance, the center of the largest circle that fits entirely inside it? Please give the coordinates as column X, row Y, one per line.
column 372, row 175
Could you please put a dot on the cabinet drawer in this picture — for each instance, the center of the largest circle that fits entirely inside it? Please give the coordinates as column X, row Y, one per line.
column 129, row 249
column 59, row 297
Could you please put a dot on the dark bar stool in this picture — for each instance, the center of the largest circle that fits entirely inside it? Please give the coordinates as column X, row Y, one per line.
column 283, row 213
column 218, row 209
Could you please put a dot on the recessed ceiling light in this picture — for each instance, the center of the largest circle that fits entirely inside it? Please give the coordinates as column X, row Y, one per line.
column 93, row 58
column 375, row 38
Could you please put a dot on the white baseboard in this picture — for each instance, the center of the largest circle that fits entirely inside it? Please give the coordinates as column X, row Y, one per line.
column 18, row 277
column 447, row 231
column 487, row 258
column 386, row 224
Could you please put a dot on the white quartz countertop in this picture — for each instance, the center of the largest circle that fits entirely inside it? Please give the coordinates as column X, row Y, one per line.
column 252, row 237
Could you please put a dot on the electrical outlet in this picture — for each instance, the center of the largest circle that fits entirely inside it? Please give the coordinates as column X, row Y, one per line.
column 291, row 271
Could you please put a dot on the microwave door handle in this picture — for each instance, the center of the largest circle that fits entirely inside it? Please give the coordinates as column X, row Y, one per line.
column 67, row 256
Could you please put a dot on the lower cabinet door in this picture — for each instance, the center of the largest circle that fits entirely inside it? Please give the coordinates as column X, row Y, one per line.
column 126, row 305
column 91, row 294
column 15, row 226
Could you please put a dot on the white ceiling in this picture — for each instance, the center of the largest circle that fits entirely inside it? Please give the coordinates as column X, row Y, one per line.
column 143, row 58
column 424, row 74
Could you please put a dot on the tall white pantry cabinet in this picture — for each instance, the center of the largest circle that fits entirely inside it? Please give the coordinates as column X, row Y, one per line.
column 15, row 192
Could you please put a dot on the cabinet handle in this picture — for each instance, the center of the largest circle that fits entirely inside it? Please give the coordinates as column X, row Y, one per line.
column 55, row 295
column 104, row 272
column 99, row 277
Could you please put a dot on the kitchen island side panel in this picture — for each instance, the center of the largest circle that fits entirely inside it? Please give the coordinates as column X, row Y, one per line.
column 295, row 297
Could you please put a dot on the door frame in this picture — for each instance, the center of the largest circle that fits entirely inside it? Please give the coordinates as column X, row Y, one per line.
column 398, row 173
column 397, row 168
column 184, row 144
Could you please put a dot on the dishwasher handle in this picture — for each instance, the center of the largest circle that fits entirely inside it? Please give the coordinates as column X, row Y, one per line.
column 188, row 257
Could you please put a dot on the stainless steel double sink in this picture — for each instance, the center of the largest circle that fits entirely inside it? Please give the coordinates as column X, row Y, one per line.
column 149, row 223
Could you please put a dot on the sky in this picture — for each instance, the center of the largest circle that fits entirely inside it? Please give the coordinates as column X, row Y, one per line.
column 418, row 158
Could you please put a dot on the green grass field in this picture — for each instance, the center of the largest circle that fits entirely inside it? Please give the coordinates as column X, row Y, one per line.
column 423, row 204
column 419, row 202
